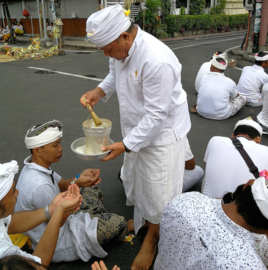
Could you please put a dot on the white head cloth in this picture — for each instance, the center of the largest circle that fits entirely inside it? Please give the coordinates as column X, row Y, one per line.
column 218, row 65
column 250, row 123
column 260, row 194
column 7, row 173
column 106, row 25
column 50, row 135
column 263, row 58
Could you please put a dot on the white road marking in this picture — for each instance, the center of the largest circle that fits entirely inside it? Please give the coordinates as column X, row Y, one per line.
column 226, row 51
column 68, row 74
column 204, row 43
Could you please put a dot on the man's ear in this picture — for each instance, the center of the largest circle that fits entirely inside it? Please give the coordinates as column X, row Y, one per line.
column 211, row 68
column 125, row 35
column 36, row 151
column 257, row 140
column 232, row 136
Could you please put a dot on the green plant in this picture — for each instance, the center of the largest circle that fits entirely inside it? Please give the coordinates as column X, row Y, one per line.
column 175, row 23
column 219, row 8
column 153, row 5
column 197, row 7
column 161, row 31
column 182, row 11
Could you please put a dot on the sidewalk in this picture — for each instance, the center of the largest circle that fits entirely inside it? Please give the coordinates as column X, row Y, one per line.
column 80, row 43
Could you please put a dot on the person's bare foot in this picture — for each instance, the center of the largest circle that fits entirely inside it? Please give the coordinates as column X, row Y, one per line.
column 193, row 110
column 145, row 257
column 130, row 225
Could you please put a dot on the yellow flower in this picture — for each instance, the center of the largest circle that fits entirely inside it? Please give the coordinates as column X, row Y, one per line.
column 127, row 12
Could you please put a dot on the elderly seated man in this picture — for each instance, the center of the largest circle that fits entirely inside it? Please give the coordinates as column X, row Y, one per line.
column 252, row 79
column 198, row 232
column 83, row 233
column 218, row 98
column 54, row 213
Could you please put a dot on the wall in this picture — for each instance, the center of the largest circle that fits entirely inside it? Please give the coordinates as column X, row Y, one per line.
column 82, row 8
column 235, row 7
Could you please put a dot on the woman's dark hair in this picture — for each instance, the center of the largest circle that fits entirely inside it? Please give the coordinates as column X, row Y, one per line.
column 231, row 197
column 14, row 23
column 261, row 54
column 248, row 209
column 250, row 131
column 16, row 262
column 20, row 23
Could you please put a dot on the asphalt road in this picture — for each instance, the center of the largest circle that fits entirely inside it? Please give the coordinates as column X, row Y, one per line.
column 28, row 97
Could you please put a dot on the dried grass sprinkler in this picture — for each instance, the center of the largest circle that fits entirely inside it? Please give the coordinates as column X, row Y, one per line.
column 95, row 118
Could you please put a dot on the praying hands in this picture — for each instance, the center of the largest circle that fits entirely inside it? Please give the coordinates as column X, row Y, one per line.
column 88, row 178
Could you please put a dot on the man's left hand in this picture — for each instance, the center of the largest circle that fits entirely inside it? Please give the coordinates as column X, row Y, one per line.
column 116, row 150
column 88, row 178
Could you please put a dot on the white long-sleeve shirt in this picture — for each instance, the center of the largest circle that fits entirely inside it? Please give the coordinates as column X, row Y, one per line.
column 251, row 82
column 153, row 105
column 6, row 246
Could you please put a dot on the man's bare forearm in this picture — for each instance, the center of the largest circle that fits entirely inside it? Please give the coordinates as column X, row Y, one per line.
column 26, row 220
column 46, row 247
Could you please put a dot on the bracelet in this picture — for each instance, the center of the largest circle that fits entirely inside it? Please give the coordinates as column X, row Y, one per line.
column 75, row 178
column 46, row 212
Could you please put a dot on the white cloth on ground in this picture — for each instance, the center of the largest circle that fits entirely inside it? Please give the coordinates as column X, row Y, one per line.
column 106, row 25
column 250, row 84
column 77, row 237
column 195, row 234
column 262, row 117
column 204, row 70
column 153, row 105
column 151, row 178
column 6, row 246
column 213, row 100
column 7, row 173
column 226, row 171
column 191, row 177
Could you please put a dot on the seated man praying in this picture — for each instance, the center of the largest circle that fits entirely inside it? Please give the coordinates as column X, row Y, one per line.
column 198, row 232
column 54, row 214
column 252, row 79
column 83, row 233
column 218, row 98
column 225, row 167
column 262, row 117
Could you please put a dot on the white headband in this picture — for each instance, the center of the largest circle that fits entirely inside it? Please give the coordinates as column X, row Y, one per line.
column 250, row 123
column 218, row 65
column 106, row 25
column 7, row 173
column 263, row 58
column 260, row 194
column 49, row 135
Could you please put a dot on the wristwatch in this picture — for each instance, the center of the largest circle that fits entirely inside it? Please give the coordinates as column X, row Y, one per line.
column 46, row 212
column 126, row 149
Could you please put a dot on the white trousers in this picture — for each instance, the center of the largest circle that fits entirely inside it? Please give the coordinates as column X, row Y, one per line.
column 192, row 177
column 263, row 115
column 152, row 177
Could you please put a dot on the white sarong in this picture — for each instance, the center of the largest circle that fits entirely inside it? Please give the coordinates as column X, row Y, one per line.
column 152, row 177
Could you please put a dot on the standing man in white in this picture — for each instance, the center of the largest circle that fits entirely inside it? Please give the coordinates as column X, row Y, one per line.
column 146, row 75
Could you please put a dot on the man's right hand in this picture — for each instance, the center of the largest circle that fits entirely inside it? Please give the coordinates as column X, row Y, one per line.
column 68, row 201
column 92, row 96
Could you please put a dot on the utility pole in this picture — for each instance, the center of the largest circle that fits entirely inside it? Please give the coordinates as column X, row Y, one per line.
column 6, row 10
column 45, row 38
column 263, row 38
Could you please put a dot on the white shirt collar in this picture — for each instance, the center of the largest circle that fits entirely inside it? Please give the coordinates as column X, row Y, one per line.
column 31, row 165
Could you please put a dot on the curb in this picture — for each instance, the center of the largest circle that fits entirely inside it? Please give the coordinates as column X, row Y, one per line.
column 201, row 36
